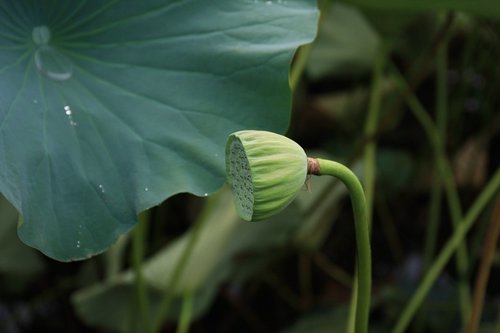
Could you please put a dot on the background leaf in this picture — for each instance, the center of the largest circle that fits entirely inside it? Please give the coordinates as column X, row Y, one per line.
column 226, row 248
column 110, row 107
column 486, row 8
column 19, row 264
column 346, row 44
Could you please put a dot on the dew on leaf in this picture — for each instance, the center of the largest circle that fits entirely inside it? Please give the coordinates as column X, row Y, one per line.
column 69, row 113
column 41, row 35
column 52, row 63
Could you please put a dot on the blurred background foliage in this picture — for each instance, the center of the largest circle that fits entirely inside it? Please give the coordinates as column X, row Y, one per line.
column 293, row 273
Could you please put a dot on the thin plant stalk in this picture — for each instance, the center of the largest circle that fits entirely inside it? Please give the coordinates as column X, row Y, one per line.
column 299, row 65
column 446, row 252
column 353, row 305
column 168, row 294
column 441, row 120
column 358, row 201
column 371, row 129
column 302, row 53
column 497, row 325
column 138, row 243
column 436, row 195
column 114, row 257
column 186, row 313
column 490, row 244
column 369, row 162
column 446, row 175
column 434, row 219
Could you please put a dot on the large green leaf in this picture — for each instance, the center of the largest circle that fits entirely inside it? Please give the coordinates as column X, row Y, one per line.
column 109, row 107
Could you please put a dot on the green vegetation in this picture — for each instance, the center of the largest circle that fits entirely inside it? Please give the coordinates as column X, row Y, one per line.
column 113, row 121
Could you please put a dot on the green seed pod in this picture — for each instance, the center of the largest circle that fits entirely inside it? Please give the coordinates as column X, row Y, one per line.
column 265, row 171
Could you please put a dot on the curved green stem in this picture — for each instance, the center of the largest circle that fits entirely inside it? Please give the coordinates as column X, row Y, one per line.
column 364, row 269
column 369, row 159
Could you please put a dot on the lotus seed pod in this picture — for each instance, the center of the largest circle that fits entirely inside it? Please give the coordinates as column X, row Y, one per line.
column 265, row 171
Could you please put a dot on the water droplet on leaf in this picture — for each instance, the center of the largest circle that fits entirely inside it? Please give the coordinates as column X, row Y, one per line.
column 52, row 63
column 69, row 113
column 41, row 35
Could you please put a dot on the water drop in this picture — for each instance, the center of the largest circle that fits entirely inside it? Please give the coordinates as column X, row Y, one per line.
column 35, row 101
column 41, row 35
column 101, row 188
column 146, row 189
column 77, row 243
column 69, row 113
column 206, row 194
column 52, row 63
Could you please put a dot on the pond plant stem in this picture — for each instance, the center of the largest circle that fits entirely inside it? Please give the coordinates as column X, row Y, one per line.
column 447, row 251
column 446, row 174
column 441, row 120
column 371, row 129
column 186, row 313
column 138, row 245
column 363, row 271
column 174, row 280
column 302, row 54
column 369, row 162
column 436, row 193
column 490, row 245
